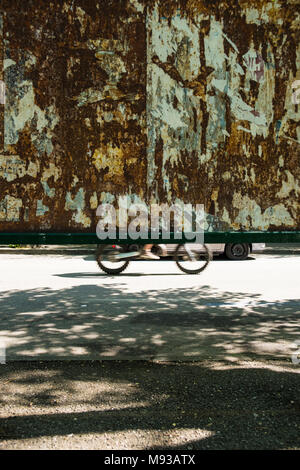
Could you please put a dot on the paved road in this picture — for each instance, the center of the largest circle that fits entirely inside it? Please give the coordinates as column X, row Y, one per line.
column 62, row 307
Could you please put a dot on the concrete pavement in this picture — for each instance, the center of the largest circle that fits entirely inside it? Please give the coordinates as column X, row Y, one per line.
column 63, row 307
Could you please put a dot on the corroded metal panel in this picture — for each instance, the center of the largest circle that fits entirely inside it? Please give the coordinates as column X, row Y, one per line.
column 185, row 101
column 75, row 112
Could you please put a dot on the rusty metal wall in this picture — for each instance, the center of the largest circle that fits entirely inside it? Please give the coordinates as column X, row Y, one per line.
column 187, row 101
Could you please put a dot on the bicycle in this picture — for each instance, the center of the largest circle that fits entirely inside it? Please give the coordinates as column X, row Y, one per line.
column 191, row 258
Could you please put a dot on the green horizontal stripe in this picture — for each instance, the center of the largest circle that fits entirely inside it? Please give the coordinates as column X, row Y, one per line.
column 91, row 238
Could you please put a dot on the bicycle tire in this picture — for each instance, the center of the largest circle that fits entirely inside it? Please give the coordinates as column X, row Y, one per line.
column 207, row 254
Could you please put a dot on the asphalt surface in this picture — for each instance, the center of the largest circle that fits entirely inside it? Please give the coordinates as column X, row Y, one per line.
column 196, row 362
column 136, row 405
column 63, row 307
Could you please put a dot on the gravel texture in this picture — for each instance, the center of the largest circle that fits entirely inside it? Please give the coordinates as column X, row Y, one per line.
column 139, row 405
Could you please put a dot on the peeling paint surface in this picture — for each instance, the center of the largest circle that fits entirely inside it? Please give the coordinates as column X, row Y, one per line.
column 177, row 101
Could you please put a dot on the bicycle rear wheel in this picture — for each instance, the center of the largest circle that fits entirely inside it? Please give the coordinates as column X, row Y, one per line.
column 192, row 258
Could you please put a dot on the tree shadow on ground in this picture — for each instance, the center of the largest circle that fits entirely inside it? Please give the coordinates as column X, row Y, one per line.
column 146, row 405
column 101, row 322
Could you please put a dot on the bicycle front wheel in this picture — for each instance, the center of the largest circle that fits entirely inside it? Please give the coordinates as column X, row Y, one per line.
column 192, row 258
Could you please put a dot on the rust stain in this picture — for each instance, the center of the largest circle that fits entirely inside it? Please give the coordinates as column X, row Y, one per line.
column 160, row 100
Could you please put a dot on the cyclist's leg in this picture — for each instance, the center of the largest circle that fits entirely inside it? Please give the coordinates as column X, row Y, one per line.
column 147, row 254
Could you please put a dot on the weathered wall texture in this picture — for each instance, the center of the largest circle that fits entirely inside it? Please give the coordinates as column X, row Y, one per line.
column 164, row 101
